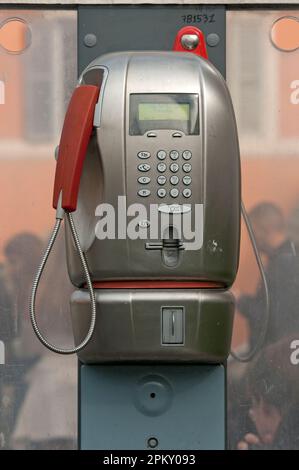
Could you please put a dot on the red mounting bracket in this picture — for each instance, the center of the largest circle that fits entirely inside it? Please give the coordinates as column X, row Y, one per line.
column 186, row 41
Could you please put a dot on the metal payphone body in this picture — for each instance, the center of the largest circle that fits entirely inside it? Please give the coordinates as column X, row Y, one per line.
column 172, row 164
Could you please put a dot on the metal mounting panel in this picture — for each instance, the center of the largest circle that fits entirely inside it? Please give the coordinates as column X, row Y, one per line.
column 113, row 28
column 123, row 407
column 183, row 407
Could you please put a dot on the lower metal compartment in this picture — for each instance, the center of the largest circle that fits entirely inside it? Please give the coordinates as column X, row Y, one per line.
column 155, row 325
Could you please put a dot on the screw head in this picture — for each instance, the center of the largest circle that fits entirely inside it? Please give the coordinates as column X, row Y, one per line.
column 90, row 40
column 213, row 39
column 152, row 442
column 189, row 41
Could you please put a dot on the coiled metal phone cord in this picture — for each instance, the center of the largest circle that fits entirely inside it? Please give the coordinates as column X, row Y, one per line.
column 262, row 335
column 37, row 331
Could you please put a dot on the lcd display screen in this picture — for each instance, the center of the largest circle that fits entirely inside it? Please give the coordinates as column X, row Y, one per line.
column 155, row 111
column 163, row 111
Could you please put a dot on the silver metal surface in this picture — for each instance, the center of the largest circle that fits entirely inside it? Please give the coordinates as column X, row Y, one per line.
column 189, row 41
column 111, row 170
column 129, row 325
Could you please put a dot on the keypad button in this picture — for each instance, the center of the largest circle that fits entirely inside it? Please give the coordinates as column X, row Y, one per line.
column 144, row 180
column 174, row 179
column 144, row 192
column 174, row 208
column 161, row 167
column 174, row 155
column 161, row 192
column 187, row 192
column 187, row 180
column 161, row 179
column 174, row 167
column 143, row 154
column 161, row 154
column 187, row 167
column 174, row 192
column 144, row 167
column 187, row 154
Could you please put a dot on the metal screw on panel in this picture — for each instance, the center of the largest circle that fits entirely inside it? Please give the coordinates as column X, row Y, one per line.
column 90, row 40
column 189, row 41
column 152, row 442
column 213, row 39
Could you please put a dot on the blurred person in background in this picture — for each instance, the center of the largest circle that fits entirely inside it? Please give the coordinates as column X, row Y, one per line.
column 47, row 416
column 282, row 273
column 273, row 386
column 280, row 259
column 293, row 229
column 22, row 253
column 21, row 350
column 6, row 337
column 6, row 321
column 238, row 403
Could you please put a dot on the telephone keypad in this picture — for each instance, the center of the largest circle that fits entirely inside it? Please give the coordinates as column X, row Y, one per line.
column 174, row 179
column 144, row 192
column 144, row 180
column 187, row 154
column 161, row 154
column 174, row 154
column 161, row 179
column 143, row 154
column 174, row 167
column 161, row 192
column 180, row 165
column 174, row 192
column 187, row 167
column 187, row 180
column 144, row 167
column 187, row 192
column 161, row 167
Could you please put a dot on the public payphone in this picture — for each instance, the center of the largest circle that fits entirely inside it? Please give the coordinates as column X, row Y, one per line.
column 148, row 178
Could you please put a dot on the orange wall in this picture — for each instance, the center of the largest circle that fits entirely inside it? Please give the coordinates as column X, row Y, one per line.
column 26, row 188
column 11, row 116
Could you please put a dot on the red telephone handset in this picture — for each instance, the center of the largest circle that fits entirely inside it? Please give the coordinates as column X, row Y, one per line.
column 76, row 132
